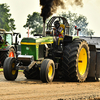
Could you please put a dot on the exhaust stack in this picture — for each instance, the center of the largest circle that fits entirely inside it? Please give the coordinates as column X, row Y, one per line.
column 44, row 34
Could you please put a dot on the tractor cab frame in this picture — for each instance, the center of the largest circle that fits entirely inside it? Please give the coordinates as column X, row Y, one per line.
column 50, row 25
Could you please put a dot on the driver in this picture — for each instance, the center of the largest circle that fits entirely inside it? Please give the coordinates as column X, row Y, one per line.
column 58, row 31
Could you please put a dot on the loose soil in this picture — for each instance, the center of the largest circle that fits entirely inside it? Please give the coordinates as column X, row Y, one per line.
column 24, row 89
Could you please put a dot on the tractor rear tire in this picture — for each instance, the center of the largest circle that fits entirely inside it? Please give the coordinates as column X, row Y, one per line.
column 9, row 70
column 33, row 73
column 47, row 70
column 3, row 56
column 76, row 60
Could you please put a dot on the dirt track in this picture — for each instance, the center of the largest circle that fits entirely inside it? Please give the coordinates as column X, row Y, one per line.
column 23, row 89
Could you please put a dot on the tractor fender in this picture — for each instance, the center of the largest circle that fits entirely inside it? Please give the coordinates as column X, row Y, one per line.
column 67, row 39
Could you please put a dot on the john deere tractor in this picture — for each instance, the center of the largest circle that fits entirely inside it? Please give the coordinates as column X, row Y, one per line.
column 41, row 59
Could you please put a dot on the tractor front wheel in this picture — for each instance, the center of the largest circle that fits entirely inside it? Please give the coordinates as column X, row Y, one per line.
column 47, row 70
column 10, row 72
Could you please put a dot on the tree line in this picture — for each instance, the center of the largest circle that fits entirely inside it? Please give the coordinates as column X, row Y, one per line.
column 6, row 22
column 35, row 22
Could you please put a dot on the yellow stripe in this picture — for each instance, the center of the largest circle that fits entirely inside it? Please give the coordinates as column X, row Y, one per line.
column 35, row 43
column 29, row 43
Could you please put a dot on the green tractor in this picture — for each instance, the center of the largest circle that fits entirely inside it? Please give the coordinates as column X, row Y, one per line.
column 40, row 59
column 6, row 46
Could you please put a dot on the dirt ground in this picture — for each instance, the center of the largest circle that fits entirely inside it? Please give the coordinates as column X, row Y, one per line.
column 24, row 89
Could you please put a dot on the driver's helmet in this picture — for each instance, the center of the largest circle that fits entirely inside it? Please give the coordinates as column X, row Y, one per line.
column 56, row 24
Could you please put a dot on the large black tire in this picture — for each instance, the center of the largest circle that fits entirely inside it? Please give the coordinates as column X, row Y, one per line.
column 47, row 71
column 33, row 73
column 76, row 60
column 10, row 72
column 3, row 56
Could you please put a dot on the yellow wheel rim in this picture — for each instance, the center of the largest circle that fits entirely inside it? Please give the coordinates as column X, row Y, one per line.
column 50, row 71
column 13, row 71
column 82, row 61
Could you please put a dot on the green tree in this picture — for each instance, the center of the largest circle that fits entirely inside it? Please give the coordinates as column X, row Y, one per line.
column 6, row 22
column 77, row 20
column 35, row 23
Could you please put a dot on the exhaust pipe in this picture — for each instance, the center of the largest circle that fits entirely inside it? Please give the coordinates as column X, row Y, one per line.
column 44, row 34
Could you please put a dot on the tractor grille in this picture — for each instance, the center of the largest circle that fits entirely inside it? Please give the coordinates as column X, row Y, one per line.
column 41, row 51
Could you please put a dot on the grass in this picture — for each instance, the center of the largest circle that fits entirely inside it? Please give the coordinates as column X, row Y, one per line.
column 1, row 70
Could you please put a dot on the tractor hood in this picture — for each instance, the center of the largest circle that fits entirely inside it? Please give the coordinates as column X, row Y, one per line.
column 35, row 46
column 36, row 40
